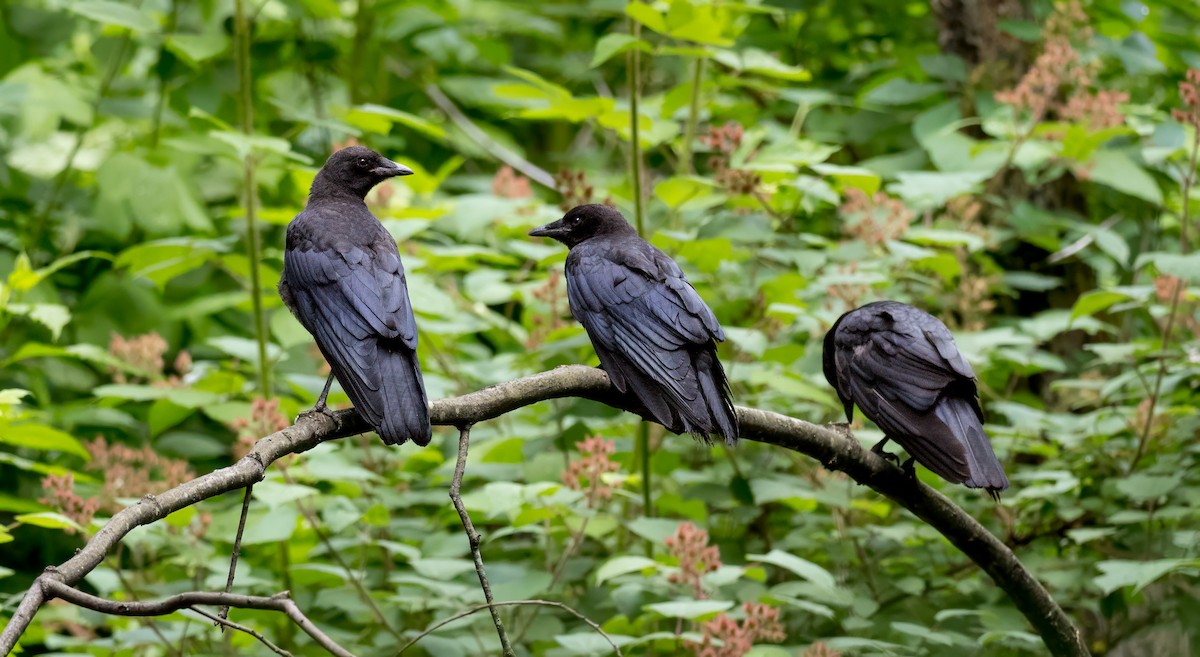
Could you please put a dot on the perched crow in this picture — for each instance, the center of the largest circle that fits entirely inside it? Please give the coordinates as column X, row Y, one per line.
column 900, row 365
column 653, row 334
column 343, row 280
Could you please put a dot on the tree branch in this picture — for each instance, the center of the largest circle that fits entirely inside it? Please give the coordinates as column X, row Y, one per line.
column 512, row 603
column 283, row 602
column 460, row 468
column 828, row 445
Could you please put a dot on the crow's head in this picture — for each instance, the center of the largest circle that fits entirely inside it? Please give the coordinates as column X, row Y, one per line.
column 583, row 223
column 357, row 169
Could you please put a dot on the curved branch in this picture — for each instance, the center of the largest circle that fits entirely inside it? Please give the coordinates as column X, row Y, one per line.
column 828, row 445
column 278, row 602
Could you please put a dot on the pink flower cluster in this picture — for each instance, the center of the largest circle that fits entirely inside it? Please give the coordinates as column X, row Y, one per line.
column 146, row 353
column 689, row 544
column 736, row 639
column 586, row 472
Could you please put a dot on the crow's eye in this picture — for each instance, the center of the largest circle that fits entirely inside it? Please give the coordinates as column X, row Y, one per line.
column 575, row 220
column 362, row 162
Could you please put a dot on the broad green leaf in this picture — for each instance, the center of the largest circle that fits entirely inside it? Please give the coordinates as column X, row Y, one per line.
column 51, row 315
column 1142, row 487
column 1090, row 303
column 753, row 60
column 114, row 13
column 623, row 565
column 899, row 91
column 647, row 16
column 690, row 609
column 40, row 436
column 1118, row 171
column 611, row 45
column 48, row 520
column 1119, row 573
column 802, row 567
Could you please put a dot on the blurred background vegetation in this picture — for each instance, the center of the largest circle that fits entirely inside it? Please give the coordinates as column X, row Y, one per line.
column 1022, row 169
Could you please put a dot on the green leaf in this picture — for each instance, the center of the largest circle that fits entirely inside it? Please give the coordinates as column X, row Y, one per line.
column 844, row 177
column 611, row 45
column 1119, row 573
column 1185, row 267
column 1090, row 303
column 406, row 119
column 926, row 189
column 690, row 609
column 48, row 520
column 114, row 13
column 39, row 436
column 753, row 60
column 276, row 493
column 195, row 49
column 1117, row 170
column 802, row 567
column 624, row 565
column 677, row 191
column 647, row 16
column 51, row 315
column 1143, row 487
column 899, row 91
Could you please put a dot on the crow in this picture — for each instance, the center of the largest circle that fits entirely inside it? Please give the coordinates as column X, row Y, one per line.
column 655, row 337
column 900, row 365
column 343, row 280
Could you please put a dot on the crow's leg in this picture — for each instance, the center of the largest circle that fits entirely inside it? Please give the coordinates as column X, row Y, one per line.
column 909, row 468
column 878, row 449
column 320, row 406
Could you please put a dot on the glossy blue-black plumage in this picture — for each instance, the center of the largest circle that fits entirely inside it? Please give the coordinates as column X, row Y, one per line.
column 344, row 282
column 900, row 365
column 653, row 333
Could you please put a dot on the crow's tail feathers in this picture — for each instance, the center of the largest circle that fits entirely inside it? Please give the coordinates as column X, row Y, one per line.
column 402, row 402
column 713, row 411
column 986, row 472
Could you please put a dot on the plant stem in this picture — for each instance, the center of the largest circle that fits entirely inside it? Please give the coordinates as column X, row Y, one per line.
column 689, row 131
column 642, row 450
column 635, row 150
column 1189, row 180
column 250, row 199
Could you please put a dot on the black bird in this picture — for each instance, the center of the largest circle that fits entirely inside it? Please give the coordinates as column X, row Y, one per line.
column 655, row 337
column 342, row 278
column 900, row 365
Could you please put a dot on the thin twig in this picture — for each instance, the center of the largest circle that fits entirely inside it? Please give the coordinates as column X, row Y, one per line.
column 224, row 622
column 1083, row 242
column 311, row 517
column 53, row 588
column 460, row 468
column 828, row 445
column 1189, row 180
column 541, row 603
column 498, row 150
column 237, row 548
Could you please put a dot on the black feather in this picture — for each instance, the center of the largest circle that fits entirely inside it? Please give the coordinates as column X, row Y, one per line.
column 344, row 282
column 900, row 366
column 654, row 335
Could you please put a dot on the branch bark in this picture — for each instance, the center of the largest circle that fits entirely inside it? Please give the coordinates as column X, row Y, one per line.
column 828, row 445
column 281, row 602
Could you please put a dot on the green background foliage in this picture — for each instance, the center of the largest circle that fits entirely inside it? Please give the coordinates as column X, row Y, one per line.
column 800, row 158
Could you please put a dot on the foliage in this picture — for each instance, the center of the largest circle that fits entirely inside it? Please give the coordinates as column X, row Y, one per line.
column 1028, row 177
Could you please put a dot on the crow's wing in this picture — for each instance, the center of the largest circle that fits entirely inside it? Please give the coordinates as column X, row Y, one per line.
column 897, row 366
column 642, row 312
column 354, row 300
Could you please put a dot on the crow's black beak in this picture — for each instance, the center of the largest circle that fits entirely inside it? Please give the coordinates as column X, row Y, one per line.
column 554, row 230
column 390, row 169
